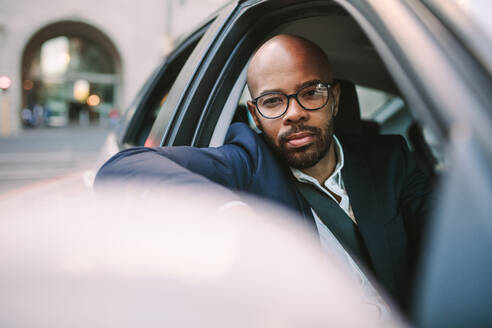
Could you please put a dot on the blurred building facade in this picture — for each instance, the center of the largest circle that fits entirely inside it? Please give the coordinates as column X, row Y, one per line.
column 79, row 62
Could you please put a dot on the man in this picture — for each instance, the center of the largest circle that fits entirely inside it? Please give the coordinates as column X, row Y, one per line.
column 364, row 196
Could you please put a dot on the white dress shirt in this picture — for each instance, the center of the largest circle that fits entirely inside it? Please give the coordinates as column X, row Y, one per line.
column 329, row 242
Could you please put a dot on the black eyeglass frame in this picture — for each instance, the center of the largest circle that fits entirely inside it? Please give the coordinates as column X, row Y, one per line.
column 328, row 85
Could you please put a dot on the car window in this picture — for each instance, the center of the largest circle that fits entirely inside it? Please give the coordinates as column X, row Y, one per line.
column 242, row 113
column 393, row 116
column 354, row 58
column 370, row 100
column 387, row 110
column 150, row 105
column 155, row 91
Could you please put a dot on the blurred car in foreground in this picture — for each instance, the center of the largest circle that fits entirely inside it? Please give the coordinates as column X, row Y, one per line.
column 123, row 260
column 421, row 68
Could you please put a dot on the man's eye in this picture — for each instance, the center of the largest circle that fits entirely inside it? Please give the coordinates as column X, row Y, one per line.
column 314, row 93
column 311, row 93
column 272, row 101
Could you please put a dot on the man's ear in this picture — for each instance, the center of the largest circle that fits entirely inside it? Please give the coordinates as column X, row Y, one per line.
column 336, row 98
column 254, row 114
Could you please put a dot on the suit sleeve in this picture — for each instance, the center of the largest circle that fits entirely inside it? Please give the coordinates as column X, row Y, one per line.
column 174, row 165
column 231, row 165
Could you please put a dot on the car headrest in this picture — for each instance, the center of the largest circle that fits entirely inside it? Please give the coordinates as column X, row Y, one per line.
column 348, row 119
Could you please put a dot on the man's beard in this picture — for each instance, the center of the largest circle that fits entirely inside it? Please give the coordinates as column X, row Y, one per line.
column 306, row 156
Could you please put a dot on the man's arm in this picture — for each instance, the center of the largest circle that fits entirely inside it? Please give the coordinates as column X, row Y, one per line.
column 231, row 165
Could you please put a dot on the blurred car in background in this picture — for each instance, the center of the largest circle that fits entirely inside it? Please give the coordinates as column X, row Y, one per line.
column 419, row 68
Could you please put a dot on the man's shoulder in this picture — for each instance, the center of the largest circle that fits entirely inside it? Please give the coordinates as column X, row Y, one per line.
column 379, row 150
column 389, row 142
column 241, row 133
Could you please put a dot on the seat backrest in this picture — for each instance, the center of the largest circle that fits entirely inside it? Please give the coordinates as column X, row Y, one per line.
column 348, row 119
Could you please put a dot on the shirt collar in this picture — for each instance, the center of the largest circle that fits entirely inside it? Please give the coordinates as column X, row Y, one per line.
column 335, row 177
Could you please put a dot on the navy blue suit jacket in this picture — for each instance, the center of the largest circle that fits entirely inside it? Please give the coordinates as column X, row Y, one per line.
column 388, row 193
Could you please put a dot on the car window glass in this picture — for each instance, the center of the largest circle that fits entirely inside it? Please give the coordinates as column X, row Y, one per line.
column 150, row 119
column 155, row 93
column 394, row 117
column 370, row 100
column 159, row 96
column 243, row 106
column 388, row 110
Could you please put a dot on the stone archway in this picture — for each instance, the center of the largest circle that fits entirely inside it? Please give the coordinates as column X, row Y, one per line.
column 71, row 73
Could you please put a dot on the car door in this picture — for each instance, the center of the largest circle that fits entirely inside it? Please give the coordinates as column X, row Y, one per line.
column 445, row 84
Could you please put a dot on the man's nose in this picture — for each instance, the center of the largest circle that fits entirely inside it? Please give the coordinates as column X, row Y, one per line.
column 295, row 112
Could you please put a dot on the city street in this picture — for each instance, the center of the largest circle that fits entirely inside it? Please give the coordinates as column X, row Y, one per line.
column 44, row 155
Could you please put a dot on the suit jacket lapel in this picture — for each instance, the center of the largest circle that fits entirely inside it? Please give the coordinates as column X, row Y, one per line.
column 359, row 183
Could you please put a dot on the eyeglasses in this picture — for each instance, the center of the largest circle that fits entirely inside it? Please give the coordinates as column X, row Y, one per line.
column 311, row 97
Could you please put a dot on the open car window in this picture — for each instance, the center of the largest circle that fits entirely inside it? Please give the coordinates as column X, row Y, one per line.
column 382, row 108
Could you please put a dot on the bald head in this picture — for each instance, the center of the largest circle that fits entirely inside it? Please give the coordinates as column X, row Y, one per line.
column 286, row 56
